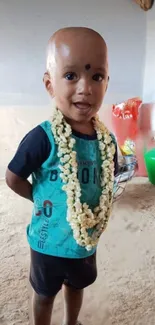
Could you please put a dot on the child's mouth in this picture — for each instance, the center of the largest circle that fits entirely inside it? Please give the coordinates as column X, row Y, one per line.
column 82, row 106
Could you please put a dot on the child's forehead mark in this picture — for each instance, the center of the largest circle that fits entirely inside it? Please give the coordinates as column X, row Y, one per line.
column 87, row 66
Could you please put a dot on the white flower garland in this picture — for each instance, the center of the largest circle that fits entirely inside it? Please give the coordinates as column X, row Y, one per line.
column 80, row 217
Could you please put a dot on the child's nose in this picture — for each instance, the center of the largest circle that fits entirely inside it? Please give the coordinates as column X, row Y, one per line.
column 84, row 87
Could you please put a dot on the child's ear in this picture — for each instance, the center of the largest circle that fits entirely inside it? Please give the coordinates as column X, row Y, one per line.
column 48, row 83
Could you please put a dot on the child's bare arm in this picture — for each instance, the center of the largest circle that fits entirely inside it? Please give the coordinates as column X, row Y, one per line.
column 19, row 185
column 32, row 152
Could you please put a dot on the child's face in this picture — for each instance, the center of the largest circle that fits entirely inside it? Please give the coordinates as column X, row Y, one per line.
column 79, row 79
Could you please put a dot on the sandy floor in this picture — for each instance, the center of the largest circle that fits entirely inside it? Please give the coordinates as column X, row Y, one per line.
column 124, row 293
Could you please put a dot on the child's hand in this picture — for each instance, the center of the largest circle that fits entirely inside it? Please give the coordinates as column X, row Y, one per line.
column 19, row 185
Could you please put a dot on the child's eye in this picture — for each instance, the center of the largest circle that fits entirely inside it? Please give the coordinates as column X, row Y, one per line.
column 70, row 76
column 98, row 77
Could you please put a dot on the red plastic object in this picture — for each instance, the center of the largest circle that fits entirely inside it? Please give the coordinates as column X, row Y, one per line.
column 124, row 120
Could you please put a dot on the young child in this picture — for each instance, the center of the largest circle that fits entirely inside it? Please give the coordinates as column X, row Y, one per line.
column 71, row 159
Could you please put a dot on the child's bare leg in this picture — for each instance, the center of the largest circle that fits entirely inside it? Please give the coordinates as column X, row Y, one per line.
column 73, row 299
column 42, row 309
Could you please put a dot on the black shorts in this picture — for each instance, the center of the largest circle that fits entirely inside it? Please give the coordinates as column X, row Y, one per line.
column 49, row 273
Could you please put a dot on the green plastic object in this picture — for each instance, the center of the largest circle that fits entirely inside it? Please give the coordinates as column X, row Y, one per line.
column 149, row 158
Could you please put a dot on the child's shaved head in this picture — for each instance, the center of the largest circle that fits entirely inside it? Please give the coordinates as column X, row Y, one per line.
column 77, row 72
column 72, row 36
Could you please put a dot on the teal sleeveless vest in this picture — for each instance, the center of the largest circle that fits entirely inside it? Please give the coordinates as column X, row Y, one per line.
column 49, row 232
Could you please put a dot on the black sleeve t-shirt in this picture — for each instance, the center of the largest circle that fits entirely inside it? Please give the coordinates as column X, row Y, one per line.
column 34, row 150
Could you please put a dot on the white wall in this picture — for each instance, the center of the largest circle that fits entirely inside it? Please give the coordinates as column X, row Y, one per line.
column 149, row 75
column 25, row 27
